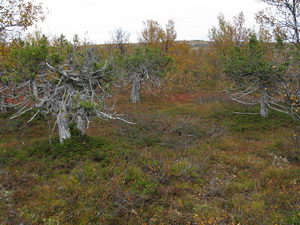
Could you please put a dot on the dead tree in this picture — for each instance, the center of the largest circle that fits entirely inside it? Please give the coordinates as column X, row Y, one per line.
column 72, row 93
column 253, row 75
column 120, row 39
column 279, row 97
column 145, row 64
column 170, row 35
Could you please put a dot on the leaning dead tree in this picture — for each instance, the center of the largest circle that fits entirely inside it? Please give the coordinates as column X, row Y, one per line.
column 73, row 93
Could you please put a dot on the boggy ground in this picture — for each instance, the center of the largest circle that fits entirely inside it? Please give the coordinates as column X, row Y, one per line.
column 189, row 160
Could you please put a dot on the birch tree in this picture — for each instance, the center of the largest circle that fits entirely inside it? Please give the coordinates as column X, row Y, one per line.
column 154, row 35
column 120, row 38
column 283, row 17
column 18, row 14
column 229, row 34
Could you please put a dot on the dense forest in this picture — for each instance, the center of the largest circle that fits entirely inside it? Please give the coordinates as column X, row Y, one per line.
column 160, row 131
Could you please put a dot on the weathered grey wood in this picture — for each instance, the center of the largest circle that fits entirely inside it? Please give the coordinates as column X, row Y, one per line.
column 81, row 121
column 75, row 94
column 63, row 125
column 2, row 105
column 35, row 92
column 264, row 110
column 135, row 91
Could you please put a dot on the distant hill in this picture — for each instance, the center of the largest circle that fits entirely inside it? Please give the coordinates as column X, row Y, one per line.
column 195, row 44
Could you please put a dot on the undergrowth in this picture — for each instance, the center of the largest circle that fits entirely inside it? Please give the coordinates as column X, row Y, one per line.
column 186, row 163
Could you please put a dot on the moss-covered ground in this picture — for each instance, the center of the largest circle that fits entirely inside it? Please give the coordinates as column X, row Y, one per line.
column 189, row 160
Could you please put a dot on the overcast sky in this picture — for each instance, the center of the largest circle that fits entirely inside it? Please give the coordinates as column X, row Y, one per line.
column 99, row 18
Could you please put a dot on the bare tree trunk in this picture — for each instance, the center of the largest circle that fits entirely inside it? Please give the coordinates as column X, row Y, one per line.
column 135, row 91
column 81, row 122
column 122, row 49
column 63, row 126
column 2, row 105
column 34, row 89
column 264, row 110
column 298, row 94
